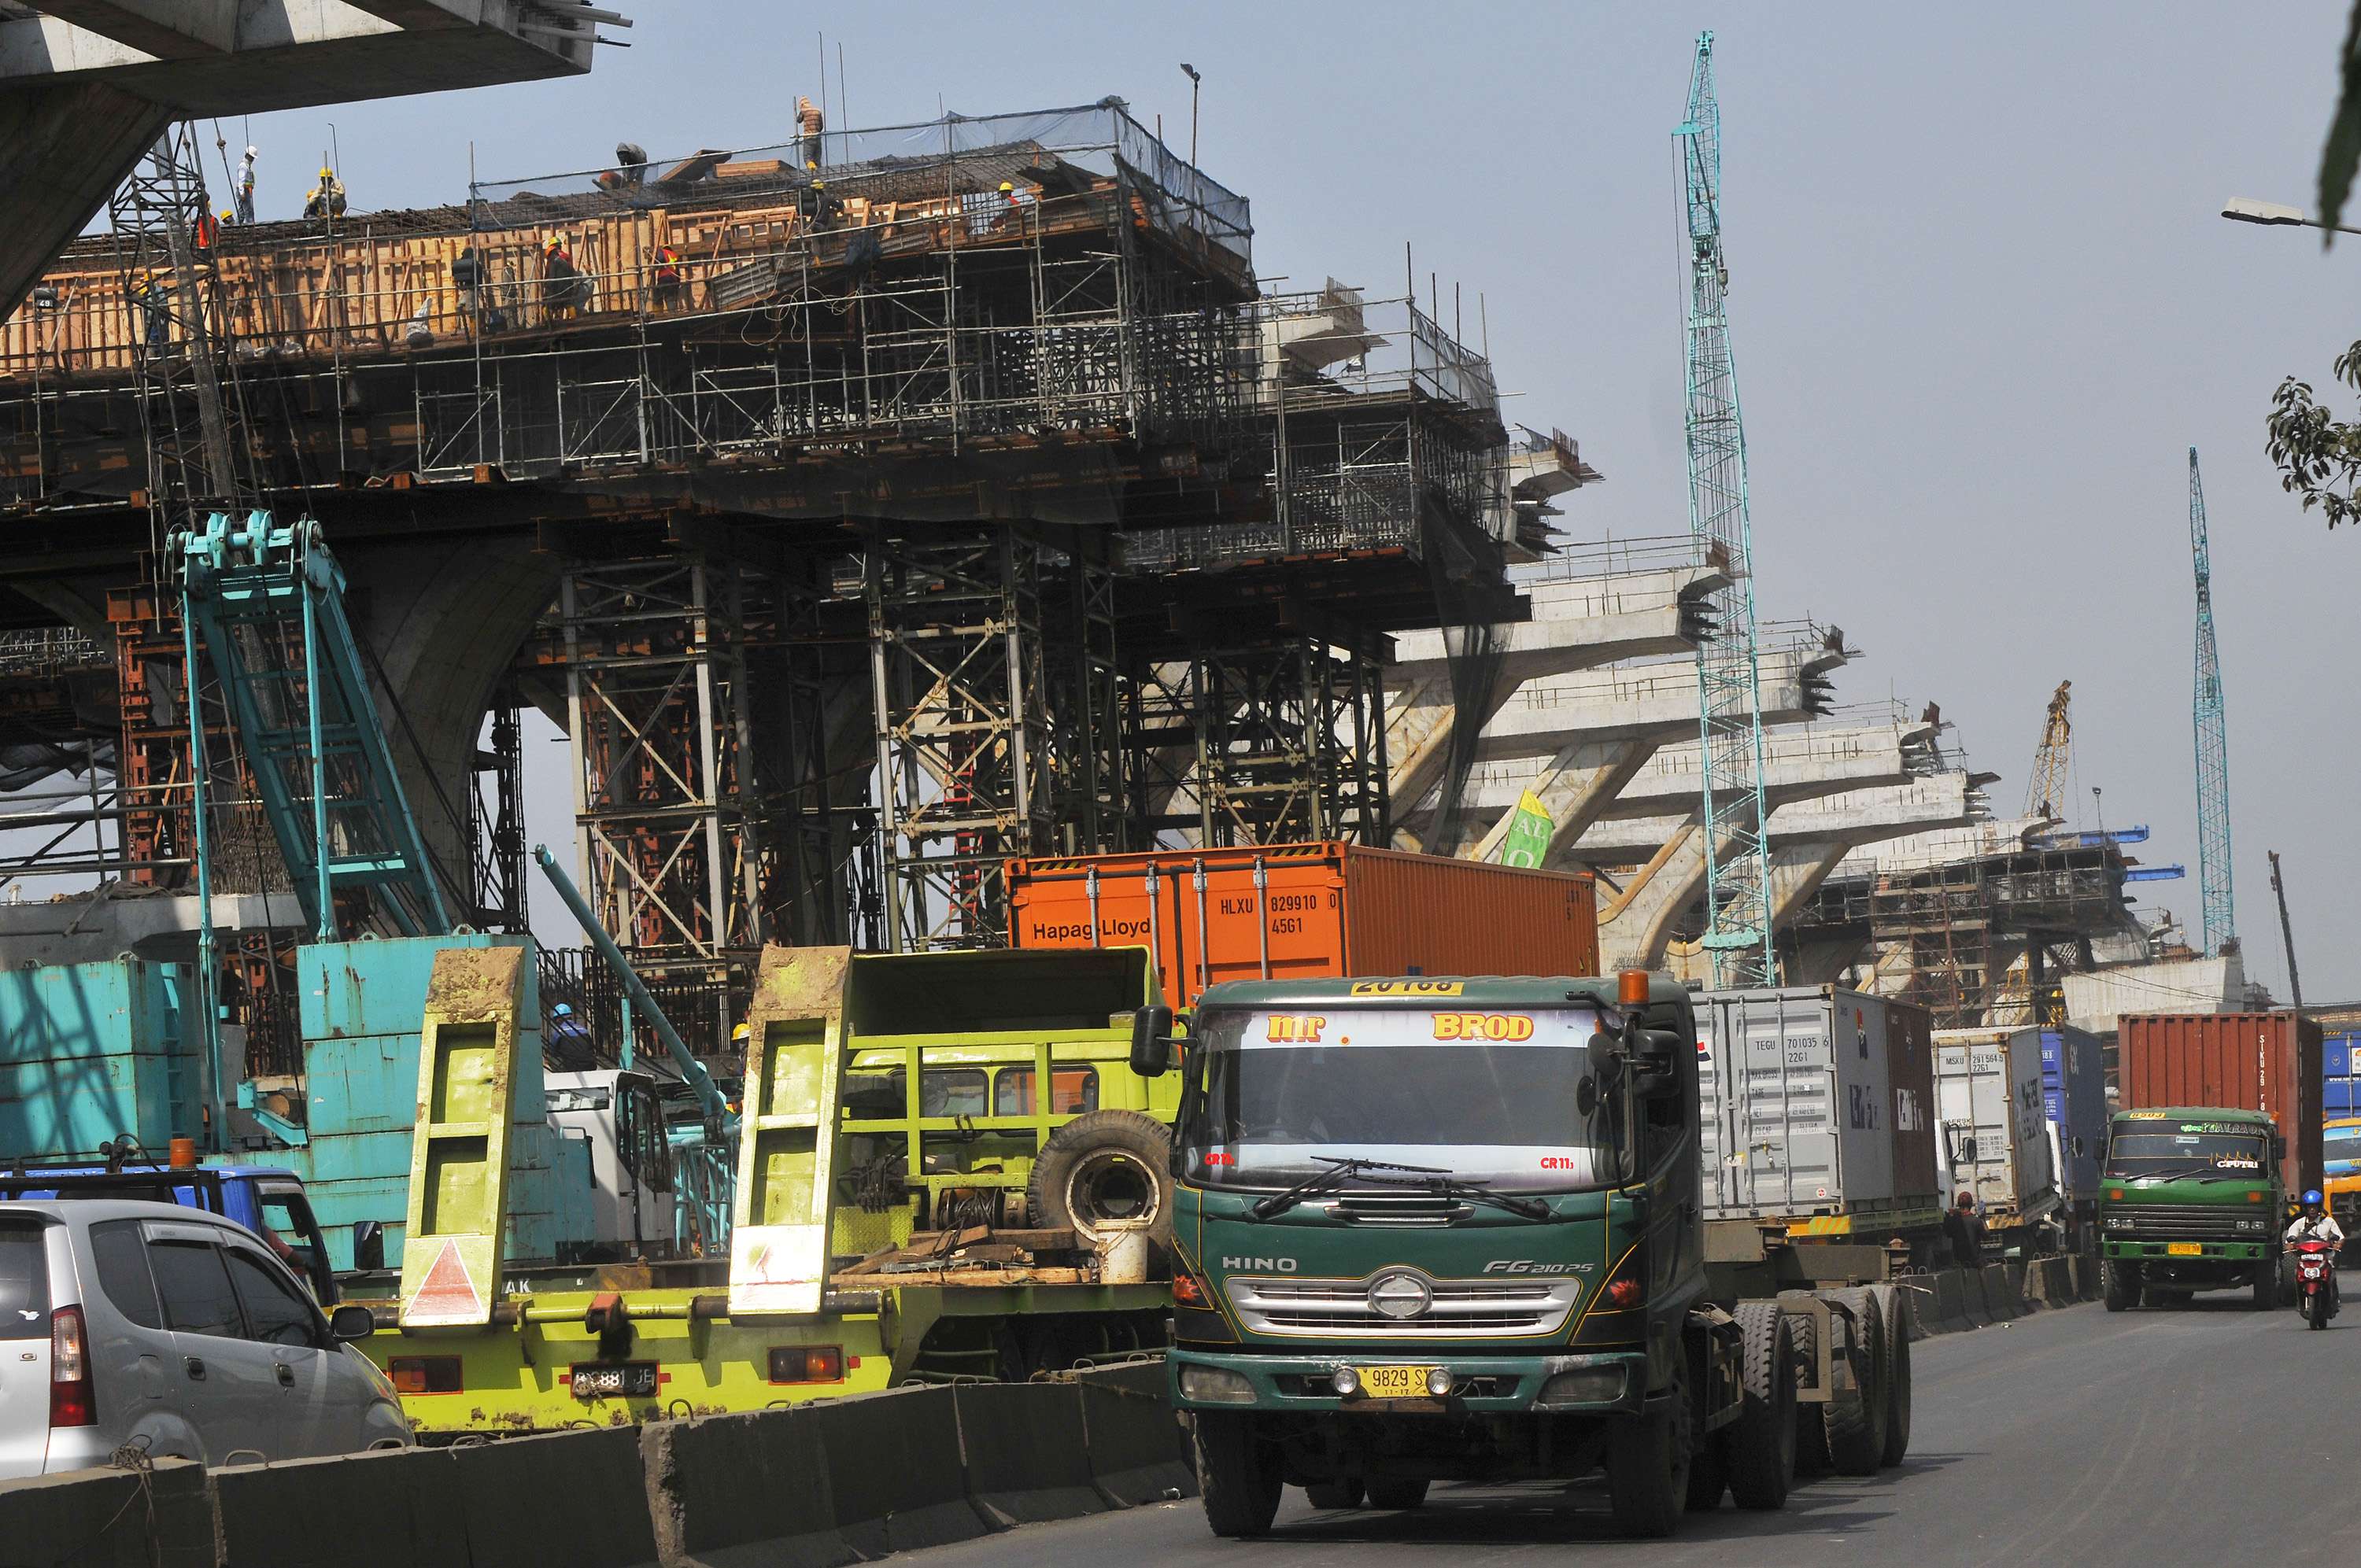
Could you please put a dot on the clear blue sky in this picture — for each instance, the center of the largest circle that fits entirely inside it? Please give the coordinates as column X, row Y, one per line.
column 1982, row 305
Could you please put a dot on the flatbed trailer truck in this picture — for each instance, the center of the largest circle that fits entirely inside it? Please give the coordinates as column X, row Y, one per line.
column 1434, row 1228
column 946, row 1168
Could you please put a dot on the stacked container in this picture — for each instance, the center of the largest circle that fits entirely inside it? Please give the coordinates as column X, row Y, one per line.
column 1817, row 1109
column 1993, row 1136
column 2248, row 1061
column 2074, row 1098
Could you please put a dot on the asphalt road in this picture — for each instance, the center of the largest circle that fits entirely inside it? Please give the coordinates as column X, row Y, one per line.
column 2210, row 1434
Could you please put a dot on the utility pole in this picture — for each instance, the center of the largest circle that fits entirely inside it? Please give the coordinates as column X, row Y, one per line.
column 2286, row 934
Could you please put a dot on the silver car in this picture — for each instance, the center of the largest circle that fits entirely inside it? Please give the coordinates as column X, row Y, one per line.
column 175, row 1331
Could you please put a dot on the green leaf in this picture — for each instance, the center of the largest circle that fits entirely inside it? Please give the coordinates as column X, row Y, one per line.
column 2343, row 153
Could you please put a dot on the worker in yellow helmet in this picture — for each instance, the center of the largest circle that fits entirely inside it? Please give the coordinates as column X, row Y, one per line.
column 327, row 198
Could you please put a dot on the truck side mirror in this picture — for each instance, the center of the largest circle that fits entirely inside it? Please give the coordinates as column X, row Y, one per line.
column 1151, row 1041
column 1656, row 1054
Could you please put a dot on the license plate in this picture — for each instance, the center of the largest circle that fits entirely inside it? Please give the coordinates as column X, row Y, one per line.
column 632, row 1380
column 1394, row 1382
column 2184, row 1249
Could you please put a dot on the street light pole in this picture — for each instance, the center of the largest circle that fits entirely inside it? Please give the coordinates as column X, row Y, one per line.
column 2270, row 214
column 1194, row 80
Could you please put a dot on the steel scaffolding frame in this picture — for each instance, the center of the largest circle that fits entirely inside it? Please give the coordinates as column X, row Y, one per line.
column 997, row 717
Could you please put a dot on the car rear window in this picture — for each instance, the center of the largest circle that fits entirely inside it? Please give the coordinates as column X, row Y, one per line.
column 122, row 1258
column 23, row 1283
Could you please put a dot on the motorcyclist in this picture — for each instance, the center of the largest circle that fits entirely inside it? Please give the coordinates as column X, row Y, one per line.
column 2315, row 1225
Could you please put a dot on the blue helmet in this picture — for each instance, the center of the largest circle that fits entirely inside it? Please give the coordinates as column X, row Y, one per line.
column 2311, row 1199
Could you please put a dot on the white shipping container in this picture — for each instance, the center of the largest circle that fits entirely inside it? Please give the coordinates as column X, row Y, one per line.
column 1807, row 1095
column 1993, row 1135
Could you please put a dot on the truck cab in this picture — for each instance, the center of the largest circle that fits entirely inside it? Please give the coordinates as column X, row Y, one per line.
column 1450, row 1229
column 2191, row 1199
column 264, row 1199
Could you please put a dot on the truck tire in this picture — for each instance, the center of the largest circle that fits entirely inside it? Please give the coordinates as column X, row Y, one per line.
column 1333, row 1494
column 1708, row 1478
column 1856, row 1416
column 1397, row 1494
column 1648, row 1464
column 1757, row 1450
column 1237, row 1475
column 1897, row 1378
column 2121, row 1285
column 2267, row 1287
column 1811, row 1415
column 1104, row 1166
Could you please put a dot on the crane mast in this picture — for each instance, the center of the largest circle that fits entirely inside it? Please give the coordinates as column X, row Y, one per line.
column 2045, row 795
column 2212, row 741
column 1738, row 934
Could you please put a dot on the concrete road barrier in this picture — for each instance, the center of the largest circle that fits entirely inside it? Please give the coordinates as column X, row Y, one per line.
column 1132, row 1457
column 2018, row 1273
column 895, row 1477
column 395, row 1509
column 1153, row 1378
column 162, row 1518
column 746, row 1491
column 577, row 1497
column 2003, row 1299
column 1025, row 1452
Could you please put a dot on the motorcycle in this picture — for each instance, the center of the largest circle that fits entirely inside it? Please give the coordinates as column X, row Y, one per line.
column 2315, row 1281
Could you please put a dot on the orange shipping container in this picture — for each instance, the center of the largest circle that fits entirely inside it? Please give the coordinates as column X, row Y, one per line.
column 1305, row 911
column 2252, row 1061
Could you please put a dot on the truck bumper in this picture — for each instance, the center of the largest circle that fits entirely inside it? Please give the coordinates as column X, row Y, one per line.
column 1481, row 1385
column 2208, row 1252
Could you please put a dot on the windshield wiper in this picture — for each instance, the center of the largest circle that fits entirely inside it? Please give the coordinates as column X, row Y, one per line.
column 1329, row 1180
column 1477, row 1192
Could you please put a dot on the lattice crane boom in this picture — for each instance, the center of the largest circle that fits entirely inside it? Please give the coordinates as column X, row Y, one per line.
column 1738, row 869
column 2212, row 740
column 2045, row 794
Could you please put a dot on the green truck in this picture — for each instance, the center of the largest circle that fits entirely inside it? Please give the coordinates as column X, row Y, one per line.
column 1435, row 1228
column 2192, row 1198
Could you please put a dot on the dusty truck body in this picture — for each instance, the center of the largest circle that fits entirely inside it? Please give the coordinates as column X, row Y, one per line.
column 946, row 1168
column 1818, row 1113
column 1450, row 1228
column 1993, row 1136
column 1307, row 912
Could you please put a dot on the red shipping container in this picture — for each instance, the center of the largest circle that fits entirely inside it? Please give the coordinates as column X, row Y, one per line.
column 2254, row 1061
column 1307, row 911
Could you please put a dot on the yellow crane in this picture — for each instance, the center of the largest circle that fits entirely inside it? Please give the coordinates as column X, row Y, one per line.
column 2046, row 795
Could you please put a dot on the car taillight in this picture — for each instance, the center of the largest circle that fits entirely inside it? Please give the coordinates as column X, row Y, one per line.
column 806, row 1363
column 425, row 1374
column 72, row 1401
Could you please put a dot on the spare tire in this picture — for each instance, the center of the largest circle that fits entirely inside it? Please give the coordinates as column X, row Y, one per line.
column 1101, row 1167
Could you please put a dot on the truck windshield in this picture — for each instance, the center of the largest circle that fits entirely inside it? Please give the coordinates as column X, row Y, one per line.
column 2155, row 1154
column 1518, row 1100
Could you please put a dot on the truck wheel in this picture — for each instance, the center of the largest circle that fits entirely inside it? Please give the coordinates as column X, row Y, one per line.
column 1897, row 1380
column 2267, row 1287
column 2123, row 1285
column 1708, row 1475
column 1856, row 1416
column 1648, row 1464
column 1811, row 1415
column 1236, row 1474
column 1105, row 1166
column 1333, row 1494
column 1758, row 1449
column 1397, row 1495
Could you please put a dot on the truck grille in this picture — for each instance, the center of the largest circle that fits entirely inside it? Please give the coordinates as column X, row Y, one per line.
column 1461, row 1309
column 2174, row 1220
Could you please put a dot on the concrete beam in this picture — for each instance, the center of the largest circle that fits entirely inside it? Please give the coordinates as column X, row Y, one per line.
column 162, row 29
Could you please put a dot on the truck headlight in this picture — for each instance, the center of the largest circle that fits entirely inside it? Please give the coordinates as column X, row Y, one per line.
column 1583, row 1385
column 1214, row 1385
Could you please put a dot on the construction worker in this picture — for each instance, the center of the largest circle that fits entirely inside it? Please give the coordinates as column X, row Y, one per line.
column 244, row 189
column 203, row 233
column 148, row 294
column 562, row 283
column 667, row 278
column 812, row 126
column 1012, row 207
column 327, row 198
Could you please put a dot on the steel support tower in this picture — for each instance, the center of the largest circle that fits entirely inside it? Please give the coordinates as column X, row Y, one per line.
column 1738, row 869
column 2212, row 741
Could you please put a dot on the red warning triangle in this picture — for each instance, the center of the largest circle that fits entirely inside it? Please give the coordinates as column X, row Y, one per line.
column 448, row 1292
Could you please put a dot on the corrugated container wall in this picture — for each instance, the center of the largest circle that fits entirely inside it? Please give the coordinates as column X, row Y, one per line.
column 2254, row 1061
column 1305, row 912
column 1994, row 1136
column 2074, row 1097
column 89, row 1052
column 2340, row 1072
column 1816, row 1102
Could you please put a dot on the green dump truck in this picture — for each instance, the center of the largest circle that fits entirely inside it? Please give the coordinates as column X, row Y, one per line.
column 2191, row 1199
column 1434, row 1228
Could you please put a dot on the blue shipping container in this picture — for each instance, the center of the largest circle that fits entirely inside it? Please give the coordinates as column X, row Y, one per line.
column 2341, row 1085
column 2074, row 1098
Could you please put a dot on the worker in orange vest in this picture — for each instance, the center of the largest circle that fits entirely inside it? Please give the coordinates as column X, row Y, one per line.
column 668, row 277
